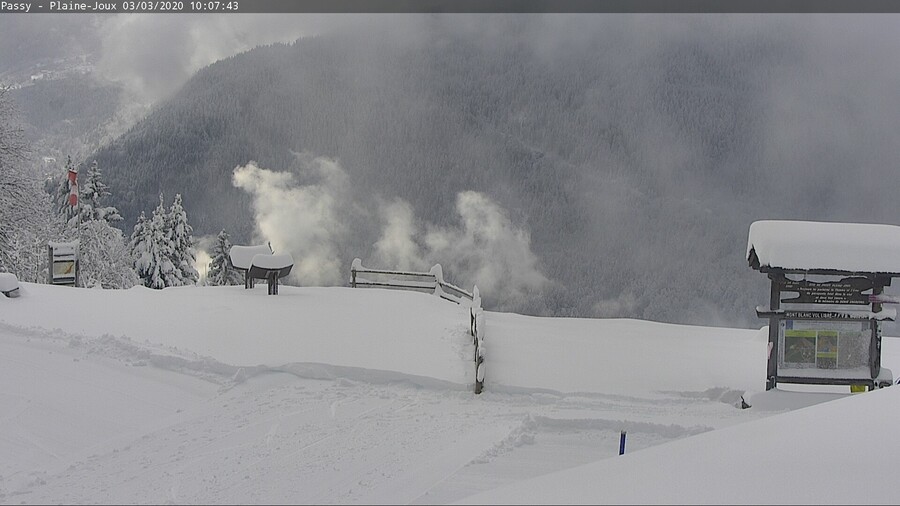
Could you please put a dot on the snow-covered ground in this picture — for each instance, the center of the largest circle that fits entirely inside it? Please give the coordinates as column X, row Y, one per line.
column 336, row 395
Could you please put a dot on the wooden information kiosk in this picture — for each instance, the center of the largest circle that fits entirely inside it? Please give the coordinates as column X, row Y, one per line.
column 826, row 299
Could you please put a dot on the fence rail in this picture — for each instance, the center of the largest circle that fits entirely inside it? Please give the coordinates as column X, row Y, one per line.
column 432, row 281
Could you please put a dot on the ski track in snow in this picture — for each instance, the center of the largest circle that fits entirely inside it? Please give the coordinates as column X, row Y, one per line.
column 314, row 434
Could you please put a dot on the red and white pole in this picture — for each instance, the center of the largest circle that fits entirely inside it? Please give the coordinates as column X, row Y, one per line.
column 73, row 188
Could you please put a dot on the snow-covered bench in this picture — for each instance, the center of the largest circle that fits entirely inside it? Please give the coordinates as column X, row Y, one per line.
column 241, row 258
column 9, row 284
column 271, row 267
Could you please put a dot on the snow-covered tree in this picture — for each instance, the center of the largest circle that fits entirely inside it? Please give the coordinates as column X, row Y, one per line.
column 61, row 193
column 103, row 256
column 24, row 251
column 220, row 270
column 25, row 211
column 92, row 191
column 181, row 238
column 151, row 249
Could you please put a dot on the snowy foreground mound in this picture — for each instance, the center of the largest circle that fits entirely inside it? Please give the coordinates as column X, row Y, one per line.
column 335, row 395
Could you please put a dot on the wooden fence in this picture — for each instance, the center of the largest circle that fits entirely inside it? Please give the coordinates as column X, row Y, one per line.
column 431, row 282
column 476, row 329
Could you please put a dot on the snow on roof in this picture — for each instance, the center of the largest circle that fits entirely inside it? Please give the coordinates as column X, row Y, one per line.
column 64, row 248
column 272, row 261
column 242, row 256
column 810, row 246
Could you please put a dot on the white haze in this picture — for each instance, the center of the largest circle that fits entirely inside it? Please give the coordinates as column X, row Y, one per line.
column 485, row 247
column 299, row 219
column 153, row 55
column 202, row 260
column 306, row 215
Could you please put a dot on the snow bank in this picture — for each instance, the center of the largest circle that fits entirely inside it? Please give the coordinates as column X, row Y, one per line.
column 832, row 453
column 408, row 333
column 74, row 431
column 624, row 356
column 414, row 335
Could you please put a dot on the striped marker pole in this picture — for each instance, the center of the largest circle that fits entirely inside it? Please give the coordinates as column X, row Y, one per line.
column 73, row 188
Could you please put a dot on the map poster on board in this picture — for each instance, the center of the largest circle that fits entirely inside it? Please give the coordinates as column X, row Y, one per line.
column 800, row 346
column 824, row 344
column 63, row 269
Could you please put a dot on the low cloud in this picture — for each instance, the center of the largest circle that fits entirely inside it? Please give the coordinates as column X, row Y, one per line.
column 397, row 247
column 485, row 248
column 311, row 214
column 202, row 246
column 624, row 304
column 302, row 220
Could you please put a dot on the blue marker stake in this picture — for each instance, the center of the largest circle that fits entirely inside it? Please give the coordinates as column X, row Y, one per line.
column 622, row 443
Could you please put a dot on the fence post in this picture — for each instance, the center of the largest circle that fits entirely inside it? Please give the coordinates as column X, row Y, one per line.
column 438, row 274
column 622, row 443
column 355, row 266
column 473, row 309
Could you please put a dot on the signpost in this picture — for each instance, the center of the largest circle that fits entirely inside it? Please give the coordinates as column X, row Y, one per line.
column 821, row 346
column 63, row 263
column 826, row 299
column 845, row 291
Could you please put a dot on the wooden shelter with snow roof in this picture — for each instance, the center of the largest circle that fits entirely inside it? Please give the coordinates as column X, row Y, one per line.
column 826, row 299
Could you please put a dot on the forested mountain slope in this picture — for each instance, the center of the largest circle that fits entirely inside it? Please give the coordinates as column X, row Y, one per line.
column 629, row 156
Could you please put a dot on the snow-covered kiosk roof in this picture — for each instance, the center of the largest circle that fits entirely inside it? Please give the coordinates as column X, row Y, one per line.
column 272, row 261
column 242, row 256
column 824, row 247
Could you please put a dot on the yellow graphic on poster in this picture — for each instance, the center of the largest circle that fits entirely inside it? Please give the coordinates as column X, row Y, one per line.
column 64, row 269
column 827, row 349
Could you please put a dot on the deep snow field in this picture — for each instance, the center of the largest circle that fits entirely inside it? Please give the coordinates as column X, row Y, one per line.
column 338, row 395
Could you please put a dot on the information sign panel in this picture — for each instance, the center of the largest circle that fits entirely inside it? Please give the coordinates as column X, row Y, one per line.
column 845, row 291
column 818, row 345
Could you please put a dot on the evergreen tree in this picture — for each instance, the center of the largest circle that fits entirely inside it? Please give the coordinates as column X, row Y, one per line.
column 103, row 256
column 92, row 191
column 138, row 235
column 151, row 249
column 180, row 235
column 220, row 270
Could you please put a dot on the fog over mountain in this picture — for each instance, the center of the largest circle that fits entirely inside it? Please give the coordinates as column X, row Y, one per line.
column 81, row 80
column 589, row 165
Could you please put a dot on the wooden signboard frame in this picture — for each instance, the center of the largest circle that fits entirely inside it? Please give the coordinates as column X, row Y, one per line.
column 845, row 289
